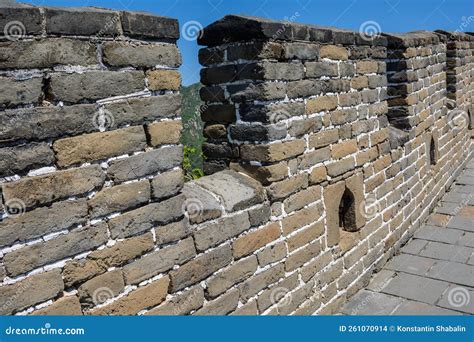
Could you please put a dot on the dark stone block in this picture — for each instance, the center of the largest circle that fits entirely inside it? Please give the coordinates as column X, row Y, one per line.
column 146, row 25
column 28, row 16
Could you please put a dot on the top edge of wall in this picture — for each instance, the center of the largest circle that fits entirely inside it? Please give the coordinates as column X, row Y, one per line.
column 239, row 28
column 87, row 21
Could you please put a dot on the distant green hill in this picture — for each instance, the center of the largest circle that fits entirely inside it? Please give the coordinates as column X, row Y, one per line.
column 192, row 137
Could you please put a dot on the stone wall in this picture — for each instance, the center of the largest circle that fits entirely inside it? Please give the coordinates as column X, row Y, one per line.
column 90, row 159
column 326, row 150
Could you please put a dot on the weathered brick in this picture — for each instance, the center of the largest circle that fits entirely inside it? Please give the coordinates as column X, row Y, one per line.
column 321, row 103
column 271, row 254
column 71, row 21
column 172, row 232
column 320, row 69
column 367, row 67
column 119, row 198
column 159, row 261
column 340, row 167
column 123, row 251
column 167, row 184
column 200, row 268
column 97, row 146
column 344, row 148
column 147, row 217
column 282, row 189
column 140, row 110
column 301, row 218
column 79, row 271
column 124, row 54
column 65, row 306
column 165, row 132
column 260, row 281
column 212, row 234
column 30, row 257
column 302, row 256
column 318, row 175
column 180, row 304
column 23, row 158
column 231, row 275
column 144, row 164
column 302, row 198
column 309, row 159
column 272, row 152
column 42, row 221
column 44, row 53
column 222, row 305
column 305, row 236
column 256, row 239
column 101, row 288
column 54, row 186
column 95, row 85
column 46, row 122
column 140, row 299
column 30, row 17
column 163, row 79
column 334, row 52
column 30, row 291
column 14, row 92
column 147, row 25
column 323, row 138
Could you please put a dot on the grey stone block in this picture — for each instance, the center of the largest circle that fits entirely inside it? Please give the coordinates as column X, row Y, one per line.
column 29, row 16
column 453, row 272
column 417, row 288
column 371, row 303
column 20, row 159
column 439, row 234
column 146, row 25
column 447, row 252
column 82, row 21
column 413, row 308
column 410, row 264
column 458, row 298
column 414, row 246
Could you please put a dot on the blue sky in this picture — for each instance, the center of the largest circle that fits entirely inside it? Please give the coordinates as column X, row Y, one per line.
column 391, row 15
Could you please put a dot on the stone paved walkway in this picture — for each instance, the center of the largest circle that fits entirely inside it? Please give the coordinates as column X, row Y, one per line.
column 434, row 272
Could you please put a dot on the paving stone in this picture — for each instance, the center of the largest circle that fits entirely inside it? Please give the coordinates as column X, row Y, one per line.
column 410, row 264
column 414, row 246
column 371, row 303
column 448, row 209
column 436, row 250
column 415, row 287
column 380, row 279
column 465, row 180
column 413, row 308
column 467, row 240
column 458, row 298
column 439, row 234
column 463, row 223
column 453, row 272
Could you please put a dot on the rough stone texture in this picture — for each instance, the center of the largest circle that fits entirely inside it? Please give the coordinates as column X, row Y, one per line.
column 24, row 158
column 99, row 289
column 167, row 184
column 55, row 186
column 33, row 256
column 42, row 221
column 159, row 261
column 126, row 54
column 181, row 304
column 67, row 306
column 163, row 80
column 16, row 92
column 119, row 198
column 144, row 164
column 136, row 301
column 165, row 132
column 95, row 85
column 96, row 146
column 46, row 53
column 200, row 268
column 30, row 291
